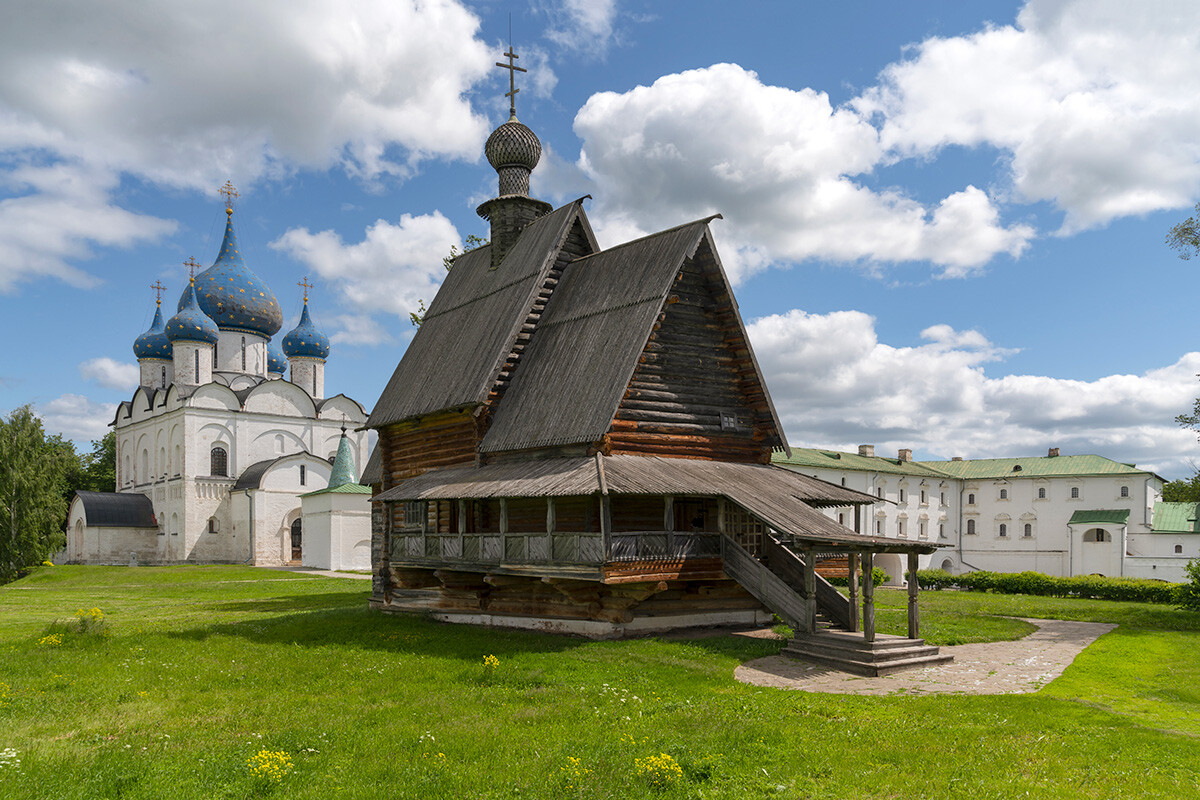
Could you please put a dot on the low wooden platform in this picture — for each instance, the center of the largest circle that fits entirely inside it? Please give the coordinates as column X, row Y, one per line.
column 850, row 652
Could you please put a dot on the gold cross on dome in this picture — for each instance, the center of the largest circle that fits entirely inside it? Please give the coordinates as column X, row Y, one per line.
column 229, row 192
column 192, row 265
column 158, row 290
column 304, row 283
column 513, row 69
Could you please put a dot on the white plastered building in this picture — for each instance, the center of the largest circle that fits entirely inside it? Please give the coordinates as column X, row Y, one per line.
column 215, row 438
column 1054, row 514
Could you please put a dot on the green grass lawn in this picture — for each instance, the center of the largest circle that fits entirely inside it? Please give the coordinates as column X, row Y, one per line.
column 202, row 668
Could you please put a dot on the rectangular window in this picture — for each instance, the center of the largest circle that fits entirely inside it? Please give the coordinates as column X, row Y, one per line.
column 414, row 513
column 1003, row 530
column 1004, row 494
column 941, row 530
column 924, row 500
column 878, row 527
column 1041, row 493
column 1124, row 491
column 1074, row 492
column 970, row 499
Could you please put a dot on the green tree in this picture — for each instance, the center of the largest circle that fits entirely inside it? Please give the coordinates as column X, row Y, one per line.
column 1185, row 237
column 33, row 473
column 1182, row 491
column 1187, row 595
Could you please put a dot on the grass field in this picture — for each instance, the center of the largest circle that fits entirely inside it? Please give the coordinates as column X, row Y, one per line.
column 202, row 669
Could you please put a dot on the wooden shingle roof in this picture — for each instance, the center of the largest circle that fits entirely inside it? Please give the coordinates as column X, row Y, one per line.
column 471, row 325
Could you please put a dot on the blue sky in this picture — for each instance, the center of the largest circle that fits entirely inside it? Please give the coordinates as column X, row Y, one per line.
column 945, row 221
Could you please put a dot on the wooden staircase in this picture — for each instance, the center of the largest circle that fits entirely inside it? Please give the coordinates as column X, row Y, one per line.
column 777, row 581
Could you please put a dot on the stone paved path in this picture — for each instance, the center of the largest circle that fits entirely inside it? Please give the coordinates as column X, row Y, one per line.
column 1025, row 665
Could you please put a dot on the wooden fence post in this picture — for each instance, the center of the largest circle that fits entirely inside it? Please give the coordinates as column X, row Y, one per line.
column 868, row 566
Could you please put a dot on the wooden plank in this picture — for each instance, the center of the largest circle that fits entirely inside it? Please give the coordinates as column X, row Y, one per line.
column 852, row 589
column 767, row 587
column 868, row 565
column 914, row 625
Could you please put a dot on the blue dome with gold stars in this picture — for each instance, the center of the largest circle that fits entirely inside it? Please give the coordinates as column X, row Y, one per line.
column 191, row 324
column 305, row 341
column 276, row 360
column 154, row 342
column 233, row 296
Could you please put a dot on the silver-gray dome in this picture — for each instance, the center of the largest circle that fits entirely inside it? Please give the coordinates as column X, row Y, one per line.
column 513, row 145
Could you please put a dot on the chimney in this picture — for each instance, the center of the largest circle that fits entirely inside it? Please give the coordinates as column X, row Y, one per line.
column 957, row 458
column 1053, row 453
column 866, row 449
column 906, row 455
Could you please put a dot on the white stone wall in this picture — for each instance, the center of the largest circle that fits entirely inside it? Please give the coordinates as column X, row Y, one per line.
column 337, row 531
column 229, row 353
column 193, row 364
column 309, row 374
column 156, row 372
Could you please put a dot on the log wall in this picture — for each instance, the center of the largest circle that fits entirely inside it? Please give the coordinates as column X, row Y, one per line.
column 695, row 366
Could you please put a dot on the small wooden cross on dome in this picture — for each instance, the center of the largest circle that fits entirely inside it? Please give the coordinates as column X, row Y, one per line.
column 229, row 192
column 158, row 290
column 513, row 69
column 304, row 283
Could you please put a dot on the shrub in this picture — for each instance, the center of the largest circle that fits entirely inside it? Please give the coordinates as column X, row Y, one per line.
column 1095, row 587
column 1187, row 595
column 878, row 576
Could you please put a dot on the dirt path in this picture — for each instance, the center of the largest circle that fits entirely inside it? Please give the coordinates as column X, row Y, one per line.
column 1025, row 665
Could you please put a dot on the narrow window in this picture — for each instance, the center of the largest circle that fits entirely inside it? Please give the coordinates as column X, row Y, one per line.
column 879, row 527
column 924, row 500
column 164, row 377
column 971, row 499
column 923, row 532
column 1124, row 491
column 1074, row 492
column 1028, row 531
column 303, row 475
column 218, row 462
column 843, row 481
column 1003, row 530
column 214, row 356
column 212, row 524
column 314, row 392
column 197, row 354
column 841, row 519
column 1004, row 494
column 941, row 530
column 879, row 492
column 243, row 354
column 1041, row 493
column 903, row 495
column 1178, row 549
column 900, row 527
column 942, row 499
column 971, row 527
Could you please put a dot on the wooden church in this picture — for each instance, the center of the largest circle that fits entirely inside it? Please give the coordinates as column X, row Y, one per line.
column 578, row 439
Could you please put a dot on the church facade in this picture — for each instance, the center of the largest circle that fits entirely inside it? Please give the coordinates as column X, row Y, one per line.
column 216, row 446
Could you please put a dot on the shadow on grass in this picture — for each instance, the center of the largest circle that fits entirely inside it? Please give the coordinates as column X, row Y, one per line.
column 363, row 629
column 298, row 602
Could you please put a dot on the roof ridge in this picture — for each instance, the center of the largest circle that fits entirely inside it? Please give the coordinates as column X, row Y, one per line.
column 701, row 221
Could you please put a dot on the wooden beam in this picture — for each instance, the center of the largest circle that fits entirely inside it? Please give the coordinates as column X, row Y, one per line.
column 462, row 517
column 914, row 626
column 852, row 589
column 503, row 515
column 551, row 515
column 868, row 566
column 810, row 592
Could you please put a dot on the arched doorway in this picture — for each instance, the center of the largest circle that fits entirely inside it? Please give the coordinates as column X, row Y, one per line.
column 297, row 536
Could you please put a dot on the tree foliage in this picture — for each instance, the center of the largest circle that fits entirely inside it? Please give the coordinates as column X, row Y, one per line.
column 1182, row 491
column 1185, row 237
column 33, row 482
column 1187, row 595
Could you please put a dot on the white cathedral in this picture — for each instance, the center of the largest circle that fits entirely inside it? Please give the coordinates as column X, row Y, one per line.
column 216, row 448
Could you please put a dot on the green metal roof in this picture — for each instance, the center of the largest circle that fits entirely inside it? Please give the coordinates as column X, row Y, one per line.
column 1175, row 517
column 1100, row 516
column 1035, row 467
column 806, row 457
column 345, row 488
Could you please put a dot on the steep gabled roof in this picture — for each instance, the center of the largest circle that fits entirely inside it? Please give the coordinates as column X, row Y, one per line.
column 473, row 322
column 587, row 344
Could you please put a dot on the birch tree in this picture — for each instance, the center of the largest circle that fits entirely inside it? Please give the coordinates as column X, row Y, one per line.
column 32, row 508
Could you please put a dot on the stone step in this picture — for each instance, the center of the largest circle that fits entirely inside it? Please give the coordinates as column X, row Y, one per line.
column 889, row 654
column 845, row 640
column 873, row 669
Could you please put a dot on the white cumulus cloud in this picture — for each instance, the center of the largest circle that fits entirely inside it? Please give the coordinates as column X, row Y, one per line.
column 393, row 269
column 76, row 417
column 110, row 373
column 1096, row 104
column 782, row 166
column 836, row 385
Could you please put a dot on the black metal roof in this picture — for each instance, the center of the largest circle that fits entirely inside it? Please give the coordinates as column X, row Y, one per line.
column 117, row 510
column 472, row 323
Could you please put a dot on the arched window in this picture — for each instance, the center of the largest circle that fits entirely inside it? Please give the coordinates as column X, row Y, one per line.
column 1028, row 530
column 879, row 527
column 970, row 527
column 971, row 499
column 1096, row 535
column 1004, row 494
column 903, row 495
column 1041, row 493
column 1178, row 549
column 243, row 354
column 297, row 540
column 879, row 492
column 212, row 525
column 218, row 461
column 1074, row 492
column 1124, row 491
column 303, row 475
column 1003, row 530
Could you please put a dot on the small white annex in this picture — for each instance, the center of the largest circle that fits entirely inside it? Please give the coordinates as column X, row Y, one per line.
column 218, row 441
column 1055, row 514
column 337, row 519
